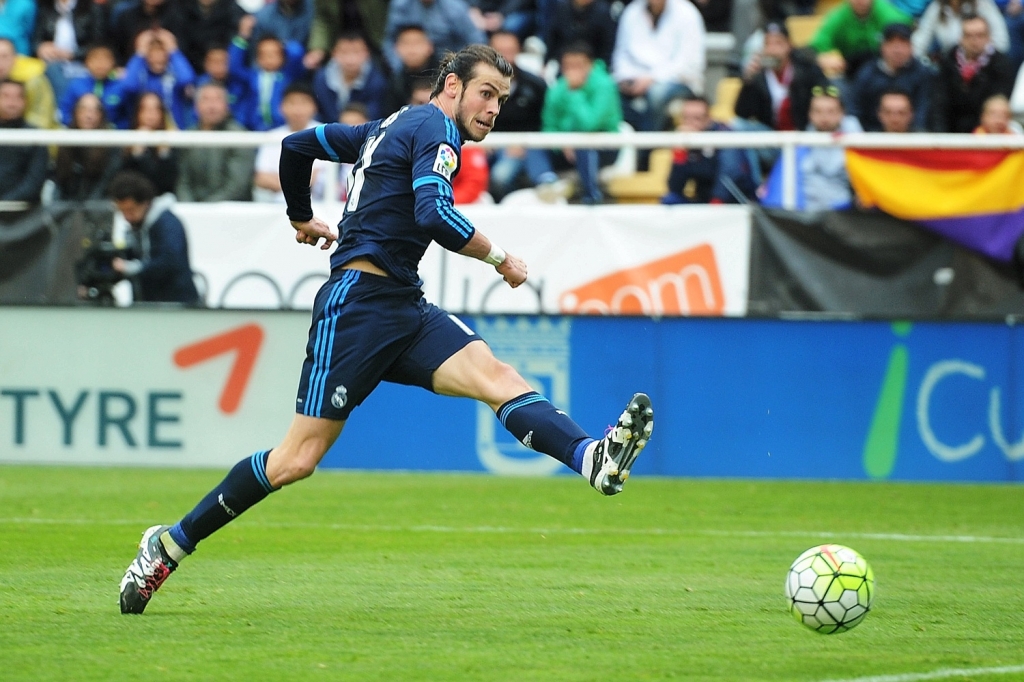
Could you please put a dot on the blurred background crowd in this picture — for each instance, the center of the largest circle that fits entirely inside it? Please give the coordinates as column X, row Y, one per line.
column 897, row 66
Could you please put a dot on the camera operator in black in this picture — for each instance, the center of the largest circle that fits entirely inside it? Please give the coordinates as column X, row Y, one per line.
column 159, row 270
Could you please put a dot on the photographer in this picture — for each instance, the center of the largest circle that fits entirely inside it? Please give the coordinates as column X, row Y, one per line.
column 159, row 269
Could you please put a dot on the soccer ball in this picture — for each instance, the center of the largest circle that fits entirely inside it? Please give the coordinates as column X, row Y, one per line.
column 830, row 588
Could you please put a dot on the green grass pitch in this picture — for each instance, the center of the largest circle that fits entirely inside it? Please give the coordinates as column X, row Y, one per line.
column 366, row 576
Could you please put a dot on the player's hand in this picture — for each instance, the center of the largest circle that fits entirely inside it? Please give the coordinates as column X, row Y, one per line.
column 512, row 270
column 312, row 231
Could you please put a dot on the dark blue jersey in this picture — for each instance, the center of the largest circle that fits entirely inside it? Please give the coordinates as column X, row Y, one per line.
column 400, row 193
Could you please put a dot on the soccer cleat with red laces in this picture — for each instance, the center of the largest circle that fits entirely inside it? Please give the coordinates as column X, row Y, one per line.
column 147, row 573
column 613, row 455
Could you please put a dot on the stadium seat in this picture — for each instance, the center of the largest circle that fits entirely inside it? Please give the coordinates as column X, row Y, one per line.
column 646, row 187
column 823, row 7
column 724, row 108
column 803, row 28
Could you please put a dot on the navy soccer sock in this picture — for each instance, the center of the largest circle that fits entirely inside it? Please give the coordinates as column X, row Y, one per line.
column 537, row 424
column 245, row 485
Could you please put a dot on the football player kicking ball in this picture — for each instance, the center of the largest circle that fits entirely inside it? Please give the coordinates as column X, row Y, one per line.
column 370, row 321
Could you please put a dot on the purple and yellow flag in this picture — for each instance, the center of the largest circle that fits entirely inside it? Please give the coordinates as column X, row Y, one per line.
column 972, row 197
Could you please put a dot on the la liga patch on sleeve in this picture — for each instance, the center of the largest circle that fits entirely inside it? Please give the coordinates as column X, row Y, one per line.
column 446, row 161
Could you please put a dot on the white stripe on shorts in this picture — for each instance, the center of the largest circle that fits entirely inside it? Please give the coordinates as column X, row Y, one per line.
column 462, row 325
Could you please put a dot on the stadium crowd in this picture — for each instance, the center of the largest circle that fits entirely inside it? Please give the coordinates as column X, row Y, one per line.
column 580, row 66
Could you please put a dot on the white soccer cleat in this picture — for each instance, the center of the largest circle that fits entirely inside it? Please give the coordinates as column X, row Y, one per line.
column 612, row 457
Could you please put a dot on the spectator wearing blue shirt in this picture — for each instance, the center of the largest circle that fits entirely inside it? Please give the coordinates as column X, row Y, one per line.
column 446, row 22
column 350, row 76
column 17, row 17
column 216, row 69
column 275, row 65
column 158, row 66
column 102, row 81
column 286, row 20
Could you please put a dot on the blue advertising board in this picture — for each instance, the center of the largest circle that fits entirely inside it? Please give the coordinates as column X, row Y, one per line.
column 733, row 398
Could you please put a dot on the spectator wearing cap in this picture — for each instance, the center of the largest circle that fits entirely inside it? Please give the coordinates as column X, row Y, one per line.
column 941, row 26
column 968, row 75
column 896, row 112
column 850, row 35
column 897, row 67
column 777, row 83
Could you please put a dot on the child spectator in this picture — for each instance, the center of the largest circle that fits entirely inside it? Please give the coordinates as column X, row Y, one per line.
column 276, row 65
column 822, row 170
column 298, row 107
column 706, row 176
column 159, row 164
column 215, row 173
column 583, row 100
column 418, row 61
column 351, row 75
column 101, row 81
column 82, row 173
column 158, row 66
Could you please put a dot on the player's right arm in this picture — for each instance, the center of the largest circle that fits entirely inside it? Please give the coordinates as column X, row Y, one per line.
column 331, row 142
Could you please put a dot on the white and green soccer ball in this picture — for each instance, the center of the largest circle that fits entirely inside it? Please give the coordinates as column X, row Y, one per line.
column 830, row 588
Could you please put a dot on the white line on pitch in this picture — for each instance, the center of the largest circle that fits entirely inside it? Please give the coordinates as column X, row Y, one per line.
column 938, row 674
column 496, row 530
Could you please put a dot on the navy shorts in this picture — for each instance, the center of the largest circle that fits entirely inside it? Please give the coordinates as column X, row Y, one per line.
column 367, row 329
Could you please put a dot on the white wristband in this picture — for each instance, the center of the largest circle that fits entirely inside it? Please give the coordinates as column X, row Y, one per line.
column 496, row 257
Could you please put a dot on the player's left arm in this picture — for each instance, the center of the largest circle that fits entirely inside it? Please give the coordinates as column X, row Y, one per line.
column 334, row 142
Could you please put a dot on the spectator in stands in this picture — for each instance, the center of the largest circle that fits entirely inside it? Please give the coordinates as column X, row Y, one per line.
column 420, row 92
column 158, row 164
column 584, row 99
column 968, row 75
column 209, row 22
column 850, row 35
column 822, row 170
column 159, row 268
column 470, row 185
column 82, row 173
column 589, row 21
column 418, row 62
column 39, row 102
column 446, row 22
column 896, row 112
column 1013, row 15
column 658, row 56
column 139, row 16
column 352, row 75
column 101, row 80
column 298, row 107
column 276, row 65
column 706, row 176
column 331, row 17
column 521, row 113
column 941, row 26
column 717, row 15
column 896, row 68
column 1017, row 97
column 515, row 16
column 64, row 28
column 17, row 17
column 996, row 119
column 215, row 173
column 158, row 66
column 216, row 69
column 353, row 115
column 777, row 83
column 22, row 168
column 286, row 20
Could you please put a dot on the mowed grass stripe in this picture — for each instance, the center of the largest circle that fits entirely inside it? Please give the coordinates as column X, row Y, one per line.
column 353, row 576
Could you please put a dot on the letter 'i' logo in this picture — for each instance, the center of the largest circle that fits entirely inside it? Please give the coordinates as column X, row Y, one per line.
column 882, row 443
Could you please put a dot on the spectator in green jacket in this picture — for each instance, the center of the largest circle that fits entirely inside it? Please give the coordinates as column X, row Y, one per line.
column 585, row 99
column 851, row 34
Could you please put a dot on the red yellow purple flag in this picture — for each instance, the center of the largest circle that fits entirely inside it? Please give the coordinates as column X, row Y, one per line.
column 972, row 197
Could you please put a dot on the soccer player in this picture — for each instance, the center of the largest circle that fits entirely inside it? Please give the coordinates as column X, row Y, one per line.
column 370, row 321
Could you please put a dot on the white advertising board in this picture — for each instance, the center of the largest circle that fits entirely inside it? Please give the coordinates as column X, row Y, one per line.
column 626, row 259
column 86, row 385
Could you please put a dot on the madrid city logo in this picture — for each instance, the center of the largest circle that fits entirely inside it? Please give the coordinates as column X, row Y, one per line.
column 881, row 446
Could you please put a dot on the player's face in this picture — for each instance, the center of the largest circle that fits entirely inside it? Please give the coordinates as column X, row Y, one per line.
column 480, row 101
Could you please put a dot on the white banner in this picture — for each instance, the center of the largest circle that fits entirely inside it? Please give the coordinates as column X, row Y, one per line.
column 152, row 387
column 626, row 259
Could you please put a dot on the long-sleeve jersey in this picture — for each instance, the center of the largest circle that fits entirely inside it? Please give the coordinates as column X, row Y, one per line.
column 400, row 190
